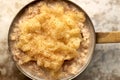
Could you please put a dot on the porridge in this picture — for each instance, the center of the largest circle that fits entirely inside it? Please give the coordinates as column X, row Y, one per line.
column 50, row 39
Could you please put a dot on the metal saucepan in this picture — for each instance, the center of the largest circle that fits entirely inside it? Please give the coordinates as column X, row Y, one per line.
column 95, row 37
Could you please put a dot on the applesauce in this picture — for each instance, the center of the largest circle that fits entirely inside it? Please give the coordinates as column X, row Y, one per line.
column 50, row 39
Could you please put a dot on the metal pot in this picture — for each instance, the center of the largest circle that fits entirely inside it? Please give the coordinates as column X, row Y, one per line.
column 95, row 37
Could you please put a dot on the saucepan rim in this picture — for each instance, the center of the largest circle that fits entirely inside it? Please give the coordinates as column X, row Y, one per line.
column 92, row 46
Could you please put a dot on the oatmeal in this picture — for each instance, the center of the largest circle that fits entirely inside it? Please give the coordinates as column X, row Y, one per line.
column 50, row 38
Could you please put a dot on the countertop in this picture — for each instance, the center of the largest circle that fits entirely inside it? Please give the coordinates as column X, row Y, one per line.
column 105, row 15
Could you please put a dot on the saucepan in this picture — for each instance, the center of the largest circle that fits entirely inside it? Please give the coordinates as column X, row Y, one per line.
column 95, row 38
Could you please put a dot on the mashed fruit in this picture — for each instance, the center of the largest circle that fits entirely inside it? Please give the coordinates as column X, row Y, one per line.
column 49, row 34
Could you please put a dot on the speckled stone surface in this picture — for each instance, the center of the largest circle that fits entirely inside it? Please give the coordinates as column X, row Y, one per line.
column 105, row 15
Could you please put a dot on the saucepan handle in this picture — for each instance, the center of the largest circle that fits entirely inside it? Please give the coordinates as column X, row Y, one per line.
column 107, row 37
